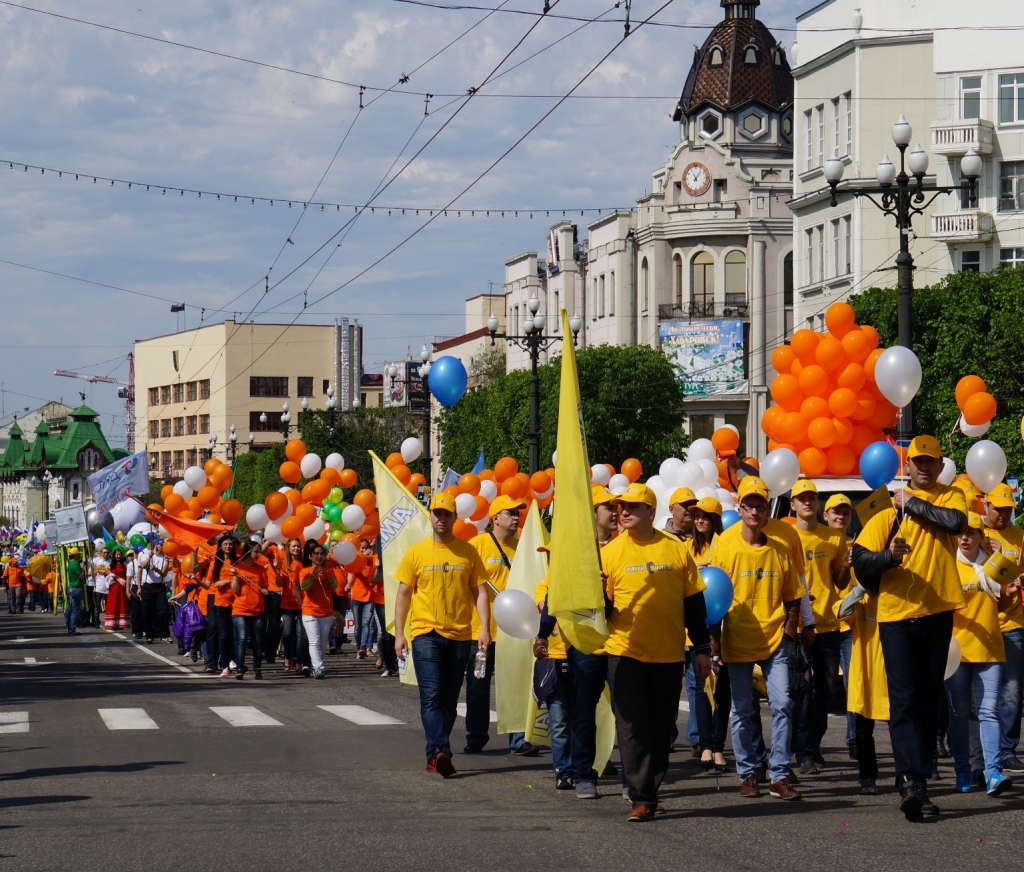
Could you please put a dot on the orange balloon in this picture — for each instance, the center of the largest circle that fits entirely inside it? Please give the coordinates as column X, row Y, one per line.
column 814, row 381
column 174, row 504
column 884, row 416
column 830, row 354
column 331, row 476
column 777, row 423
column 290, row 472
column 166, row 491
column 851, row 376
column 414, row 482
column 980, row 408
column 869, row 363
column 631, row 468
column 309, row 490
column 525, row 479
column 487, row 474
column 187, row 515
column 821, row 433
column 842, row 403
column 839, row 460
column 813, row 461
column 358, row 564
column 725, row 439
column 857, row 344
column 966, row 388
column 871, row 333
column 402, row 473
column 307, row 514
column 452, row 490
column 865, row 406
column 187, row 562
column 505, row 468
column 394, row 459
column 797, row 368
column 295, row 450
column 783, row 359
column 840, row 319
column 540, row 482
column 469, row 484
column 844, row 431
column 208, row 497
column 214, row 517
column 149, row 512
column 804, row 343
column 171, row 548
column 276, row 505
column 194, row 506
column 482, row 507
column 225, row 476
column 513, row 487
column 348, row 478
column 231, row 511
column 292, row 527
column 814, row 407
column 862, row 438
column 211, row 465
column 786, row 392
column 770, row 414
column 793, row 427
column 463, row 530
column 366, row 499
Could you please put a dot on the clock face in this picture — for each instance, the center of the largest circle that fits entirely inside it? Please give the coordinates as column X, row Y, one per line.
column 696, row 179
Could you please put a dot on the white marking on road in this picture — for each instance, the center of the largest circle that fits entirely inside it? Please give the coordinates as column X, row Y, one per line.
column 23, row 639
column 127, row 719
column 13, row 722
column 244, row 716
column 460, row 710
column 364, row 717
column 30, row 659
column 159, row 657
column 684, row 705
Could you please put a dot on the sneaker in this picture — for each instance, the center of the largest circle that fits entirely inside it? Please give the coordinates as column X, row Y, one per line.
column 782, row 789
column 564, row 782
column 318, row 673
column 210, row 670
column 389, row 673
column 868, row 787
column 963, row 782
column 809, row 767
column 193, row 656
column 239, row 674
column 625, row 793
column 306, row 672
column 1012, row 766
column 443, row 765
column 361, row 654
column 749, row 788
column 586, row 790
column 640, row 813
column 232, row 665
column 978, row 778
column 527, row 750
column 473, row 749
column 928, row 807
column 225, row 673
column 997, row 784
column 379, row 663
column 168, row 640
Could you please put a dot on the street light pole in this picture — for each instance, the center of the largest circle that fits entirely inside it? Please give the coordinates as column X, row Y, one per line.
column 233, row 443
column 902, row 195
column 286, row 418
column 533, row 342
column 425, row 356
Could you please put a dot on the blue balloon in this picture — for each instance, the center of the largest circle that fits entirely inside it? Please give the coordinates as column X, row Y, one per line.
column 718, row 593
column 447, row 380
column 879, row 464
column 729, row 517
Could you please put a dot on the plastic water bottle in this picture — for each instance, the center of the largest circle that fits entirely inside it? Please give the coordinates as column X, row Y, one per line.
column 480, row 664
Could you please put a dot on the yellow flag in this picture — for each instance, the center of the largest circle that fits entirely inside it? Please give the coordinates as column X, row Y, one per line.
column 576, row 592
column 403, row 522
column 872, row 504
column 513, row 658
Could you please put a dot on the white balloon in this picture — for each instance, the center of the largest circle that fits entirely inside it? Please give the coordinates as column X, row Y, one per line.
column 722, row 495
column 256, row 518
column 948, row 472
column 142, row 528
column 164, row 532
column 709, row 472
column 691, row 475
column 986, row 465
column 310, row 465
column 898, row 375
column 273, row 533
column 335, row 461
column 182, row 489
column 344, row 553
column 702, row 492
column 952, row 659
column 732, row 427
column 465, row 505
column 41, row 533
column 284, row 488
column 667, row 470
column 554, row 458
column 599, row 474
column 779, row 470
column 516, row 614
column 973, row 430
column 353, row 516
column 701, row 449
column 657, row 485
column 126, row 514
column 195, row 477
column 488, row 489
column 544, row 495
column 618, row 480
column 481, row 525
column 617, row 488
column 315, row 530
column 412, row 448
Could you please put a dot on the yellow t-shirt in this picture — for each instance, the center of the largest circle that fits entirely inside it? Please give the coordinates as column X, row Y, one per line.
column 497, row 572
column 648, row 579
column 788, row 536
column 821, row 548
column 1011, row 540
column 444, row 579
column 927, row 582
column 867, row 691
column 764, row 578
column 556, row 643
column 976, row 625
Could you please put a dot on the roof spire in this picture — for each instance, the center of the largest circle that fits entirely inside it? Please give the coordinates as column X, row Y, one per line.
column 740, row 8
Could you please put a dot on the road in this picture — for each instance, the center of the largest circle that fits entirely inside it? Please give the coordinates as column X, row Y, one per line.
column 181, row 782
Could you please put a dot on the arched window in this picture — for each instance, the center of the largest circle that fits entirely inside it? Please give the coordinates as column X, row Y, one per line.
column 702, row 283
column 677, row 280
column 750, row 55
column 645, row 286
column 717, row 56
column 736, row 278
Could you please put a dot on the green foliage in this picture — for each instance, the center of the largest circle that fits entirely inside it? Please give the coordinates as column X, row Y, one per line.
column 256, row 475
column 970, row 323
column 487, row 367
column 632, row 407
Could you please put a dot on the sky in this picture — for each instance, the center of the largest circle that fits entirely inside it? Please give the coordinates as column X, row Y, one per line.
column 111, row 89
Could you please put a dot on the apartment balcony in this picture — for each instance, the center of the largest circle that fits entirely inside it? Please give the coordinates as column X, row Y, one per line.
column 953, row 138
column 694, row 311
column 968, row 226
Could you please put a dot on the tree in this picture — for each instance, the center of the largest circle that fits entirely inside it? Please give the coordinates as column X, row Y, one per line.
column 488, row 366
column 632, row 407
column 257, row 474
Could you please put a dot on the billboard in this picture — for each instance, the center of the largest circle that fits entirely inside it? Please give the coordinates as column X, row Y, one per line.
column 707, row 356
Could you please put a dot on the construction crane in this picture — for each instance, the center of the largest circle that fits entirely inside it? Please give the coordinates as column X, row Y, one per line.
column 125, row 392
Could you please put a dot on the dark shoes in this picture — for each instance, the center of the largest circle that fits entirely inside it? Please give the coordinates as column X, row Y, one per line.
column 868, row 787
column 749, row 788
column 782, row 789
column 441, row 763
column 911, row 801
column 527, row 750
column 565, row 782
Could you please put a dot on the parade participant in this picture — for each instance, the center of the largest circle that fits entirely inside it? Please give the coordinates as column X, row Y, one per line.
column 16, row 586
column 101, row 571
column 359, row 587
column 288, row 568
column 827, row 571
column 75, row 590
column 907, row 553
column 759, row 628
column 680, row 507
column 249, row 584
column 152, row 588
column 215, row 577
column 272, row 633
column 1001, row 535
column 118, row 611
column 317, row 583
column 497, row 549
column 440, row 578
column 48, row 586
column 655, row 594
column 976, row 629
column 559, row 699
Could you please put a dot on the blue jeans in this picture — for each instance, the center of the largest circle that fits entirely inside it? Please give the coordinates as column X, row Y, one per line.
column 248, row 629
column 560, row 725
column 440, row 667
column 692, row 727
column 74, row 612
column 984, row 679
column 1010, row 700
column 363, row 614
column 845, row 654
column 745, row 713
column 588, row 673
column 811, row 713
column 478, row 701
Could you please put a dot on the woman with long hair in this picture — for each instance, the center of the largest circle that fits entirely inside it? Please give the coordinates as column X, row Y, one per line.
column 248, row 607
column 118, row 614
column 288, row 570
column 318, row 584
column 216, row 576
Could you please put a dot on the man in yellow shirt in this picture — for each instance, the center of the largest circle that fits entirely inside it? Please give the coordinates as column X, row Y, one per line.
column 497, row 548
column 907, row 554
column 838, row 515
column 827, row 571
column 1003, row 536
column 759, row 628
column 680, row 507
column 440, row 578
column 656, row 598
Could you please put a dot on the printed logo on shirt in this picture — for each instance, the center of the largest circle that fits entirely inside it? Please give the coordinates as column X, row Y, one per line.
column 870, row 619
column 495, row 560
column 446, row 567
column 650, row 567
column 811, row 554
column 759, row 573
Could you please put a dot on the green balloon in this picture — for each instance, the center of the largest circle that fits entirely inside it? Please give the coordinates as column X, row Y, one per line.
column 335, row 496
column 333, row 513
column 138, row 539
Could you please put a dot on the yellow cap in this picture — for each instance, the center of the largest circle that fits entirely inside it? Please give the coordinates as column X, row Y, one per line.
column 837, row 500
column 546, row 549
column 637, row 493
column 803, row 486
column 1001, row 497
column 751, row 484
column 924, row 446
column 682, row 495
column 974, row 521
column 442, row 501
column 710, row 505
column 503, row 502
column 600, row 494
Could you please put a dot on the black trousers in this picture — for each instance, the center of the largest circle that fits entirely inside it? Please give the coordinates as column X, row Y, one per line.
column 154, row 611
column 645, row 697
column 272, row 635
column 867, row 760
column 915, row 654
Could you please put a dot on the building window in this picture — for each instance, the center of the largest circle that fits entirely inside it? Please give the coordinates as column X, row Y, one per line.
column 304, row 386
column 204, row 424
column 848, row 111
column 165, row 394
column 809, row 254
column 677, row 279
column 611, row 292
column 165, row 428
column 327, row 384
column 165, row 461
column 787, row 126
column 191, row 425
column 819, row 259
column 204, row 389
column 720, row 190
column 736, row 278
column 778, row 54
column 750, row 55
column 787, row 295
column 702, row 426
column 1011, row 98
column 709, row 123
column 193, row 457
column 848, row 244
column 970, row 261
column 970, row 97
column 179, row 459
column 557, row 313
column 702, row 282
column 154, row 396
column 600, row 296
column 717, row 56
column 1011, row 185
column 593, row 301
column 819, row 119
column 835, row 125
column 268, row 386
column 74, row 491
column 1011, row 257
column 179, row 426
column 154, row 429
column 645, row 286
column 190, row 392
column 179, row 393
column 837, row 249
column 808, row 140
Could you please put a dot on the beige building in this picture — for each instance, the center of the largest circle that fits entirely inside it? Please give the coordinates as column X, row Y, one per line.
column 193, row 386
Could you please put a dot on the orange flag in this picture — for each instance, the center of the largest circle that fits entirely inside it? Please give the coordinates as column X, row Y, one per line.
column 191, row 534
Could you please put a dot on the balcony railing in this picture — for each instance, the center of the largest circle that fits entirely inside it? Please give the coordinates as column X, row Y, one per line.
column 968, row 226
column 696, row 311
column 955, row 137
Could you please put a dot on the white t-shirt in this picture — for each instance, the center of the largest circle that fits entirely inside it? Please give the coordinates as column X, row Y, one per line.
column 152, row 567
column 101, row 569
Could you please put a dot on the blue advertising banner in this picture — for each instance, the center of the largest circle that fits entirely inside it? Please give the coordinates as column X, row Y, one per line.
column 707, row 355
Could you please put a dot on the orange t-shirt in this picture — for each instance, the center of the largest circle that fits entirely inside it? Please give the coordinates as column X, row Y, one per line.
column 317, row 601
column 362, row 582
column 51, row 577
column 15, row 575
column 249, row 602
column 223, row 596
column 377, row 594
column 289, row 578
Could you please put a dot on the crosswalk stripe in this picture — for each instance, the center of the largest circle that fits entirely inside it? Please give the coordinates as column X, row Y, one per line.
column 244, row 716
column 127, row 719
column 364, row 717
column 460, row 710
column 13, row 722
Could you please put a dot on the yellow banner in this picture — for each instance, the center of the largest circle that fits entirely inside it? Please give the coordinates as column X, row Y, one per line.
column 872, row 504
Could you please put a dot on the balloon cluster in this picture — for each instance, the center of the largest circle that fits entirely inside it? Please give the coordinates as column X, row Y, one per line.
column 701, row 472
column 199, row 496
column 977, row 406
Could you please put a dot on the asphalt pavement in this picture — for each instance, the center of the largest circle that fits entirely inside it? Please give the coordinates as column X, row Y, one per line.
column 116, row 755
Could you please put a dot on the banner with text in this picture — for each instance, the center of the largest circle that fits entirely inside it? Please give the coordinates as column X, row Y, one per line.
column 708, row 356
column 123, row 478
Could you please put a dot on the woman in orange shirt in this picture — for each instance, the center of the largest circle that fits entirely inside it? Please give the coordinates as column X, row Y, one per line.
column 288, row 570
column 250, row 587
column 360, row 589
column 271, row 559
column 318, row 585
column 216, row 577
